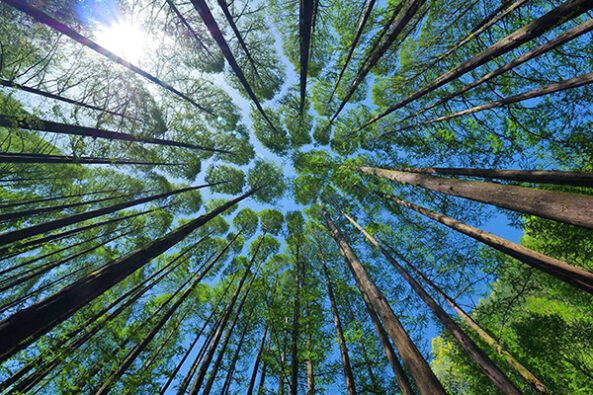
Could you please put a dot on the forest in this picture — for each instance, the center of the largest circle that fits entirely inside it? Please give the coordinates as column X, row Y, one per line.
column 296, row 197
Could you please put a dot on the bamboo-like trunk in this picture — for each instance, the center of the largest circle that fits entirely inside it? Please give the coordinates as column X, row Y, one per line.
column 27, row 325
column 348, row 376
column 425, row 379
column 498, row 378
column 570, row 208
column 566, row 11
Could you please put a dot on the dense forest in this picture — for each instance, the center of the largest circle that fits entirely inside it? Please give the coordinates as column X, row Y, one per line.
column 296, row 197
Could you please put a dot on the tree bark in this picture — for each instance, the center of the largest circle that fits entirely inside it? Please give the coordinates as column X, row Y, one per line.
column 229, row 377
column 294, row 357
column 498, row 378
column 566, row 11
column 262, row 379
column 348, row 376
column 45, row 19
column 257, row 361
column 305, row 20
column 512, row 361
column 425, row 379
column 10, row 157
column 27, row 325
column 34, row 230
column 283, row 358
column 570, row 208
column 43, row 200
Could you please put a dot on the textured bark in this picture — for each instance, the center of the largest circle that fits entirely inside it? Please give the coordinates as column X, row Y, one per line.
column 305, row 20
column 197, row 384
column 425, row 379
column 257, row 361
column 546, row 47
column 8, row 157
column 363, row 20
column 404, row 18
column 202, row 7
column 566, row 11
column 133, row 354
column 498, row 378
column 571, row 83
column 348, row 376
column 570, row 208
column 76, row 130
column 27, row 325
column 512, row 361
column 34, row 230
column 558, row 177
column 49, row 95
column 45, row 19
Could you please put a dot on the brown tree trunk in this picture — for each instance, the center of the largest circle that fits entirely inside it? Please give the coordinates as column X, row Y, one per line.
column 43, row 200
column 519, row 368
column 262, row 379
column 257, row 361
column 10, row 157
column 305, row 20
column 566, row 11
column 294, row 357
column 310, row 371
column 283, row 358
column 27, row 325
column 573, row 275
column 570, row 208
column 229, row 376
column 425, row 379
column 498, row 378
column 348, row 376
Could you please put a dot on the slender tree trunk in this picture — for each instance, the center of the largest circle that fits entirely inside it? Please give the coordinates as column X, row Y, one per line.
column 363, row 20
column 559, row 177
column 310, row 373
column 27, row 325
column 202, row 7
column 570, row 208
column 257, row 361
column 229, row 377
column 374, row 384
column 189, row 28
column 305, row 20
column 196, row 385
column 133, row 354
column 39, row 92
column 294, row 357
column 425, row 379
column 76, row 130
column 498, row 378
column 262, row 380
column 45, row 19
column 9, row 157
column 566, row 11
column 283, row 358
column 34, row 230
column 44, row 200
column 571, row 83
column 573, row 275
column 348, row 376
column 404, row 18
column 512, row 361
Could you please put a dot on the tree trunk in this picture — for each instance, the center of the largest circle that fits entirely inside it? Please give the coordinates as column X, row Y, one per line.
column 189, row 28
column 348, row 376
column 27, row 325
column 570, row 208
column 573, row 275
column 229, row 377
column 262, row 380
column 294, row 357
column 498, row 378
column 129, row 359
column 558, row 177
column 571, row 83
column 310, row 372
column 283, row 358
column 425, row 379
column 34, row 230
column 43, row 200
column 218, row 334
column 363, row 20
column 519, row 368
column 257, row 361
column 305, row 20
column 404, row 18
column 10, row 157
column 566, row 11
column 75, row 130
column 210, row 22
column 45, row 19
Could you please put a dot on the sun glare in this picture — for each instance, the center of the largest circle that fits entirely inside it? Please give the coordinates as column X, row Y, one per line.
column 124, row 39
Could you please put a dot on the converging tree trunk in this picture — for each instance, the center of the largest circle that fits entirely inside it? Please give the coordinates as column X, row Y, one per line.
column 305, row 20
column 260, row 350
column 294, row 356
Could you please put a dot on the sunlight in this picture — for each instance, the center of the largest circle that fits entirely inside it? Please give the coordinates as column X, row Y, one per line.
column 123, row 38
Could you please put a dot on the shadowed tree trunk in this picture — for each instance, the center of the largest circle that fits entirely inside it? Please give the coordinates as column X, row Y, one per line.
column 519, row 368
column 348, row 376
column 305, row 20
column 283, row 358
column 51, row 199
column 27, row 325
column 262, row 379
column 570, row 208
column 498, row 378
column 45, row 19
column 75, row 130
column 564, row 12
column 9, row 157
column 294, row 357
column 189, row 28
column 257, row 361
column 425, row 379
column 229, row 376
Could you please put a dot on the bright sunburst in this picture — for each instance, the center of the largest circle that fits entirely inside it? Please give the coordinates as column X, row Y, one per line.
column 124, row 39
